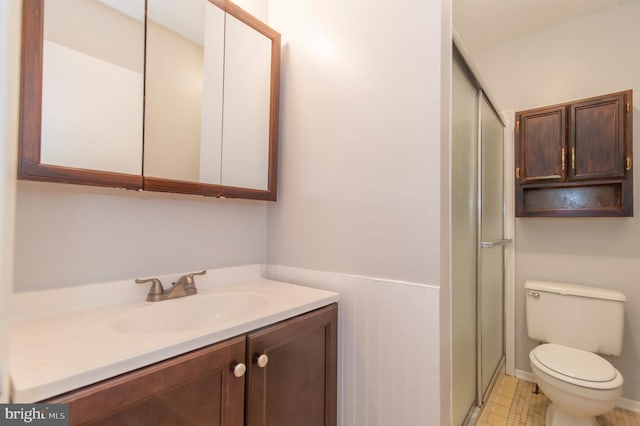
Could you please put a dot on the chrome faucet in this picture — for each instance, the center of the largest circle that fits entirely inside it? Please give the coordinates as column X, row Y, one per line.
column 185, row 286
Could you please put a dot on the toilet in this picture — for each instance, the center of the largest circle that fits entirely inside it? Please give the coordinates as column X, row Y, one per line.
column 574, row 323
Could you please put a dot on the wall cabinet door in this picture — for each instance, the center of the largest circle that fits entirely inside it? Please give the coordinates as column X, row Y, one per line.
column 296, row 383
column 541, row 146
column 596, row 139
column 197, row 388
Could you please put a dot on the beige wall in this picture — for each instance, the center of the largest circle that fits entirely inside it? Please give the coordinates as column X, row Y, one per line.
column 90, row 27
column 93, row 59
column 173, row 105
column 585, row 57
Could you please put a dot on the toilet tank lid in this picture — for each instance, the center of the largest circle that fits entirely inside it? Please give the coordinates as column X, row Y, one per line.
column 575, row 290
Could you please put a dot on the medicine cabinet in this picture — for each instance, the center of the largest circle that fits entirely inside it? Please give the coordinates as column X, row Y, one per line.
column 172, row 95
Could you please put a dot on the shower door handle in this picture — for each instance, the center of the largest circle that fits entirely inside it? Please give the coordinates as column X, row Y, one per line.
column 492, row 244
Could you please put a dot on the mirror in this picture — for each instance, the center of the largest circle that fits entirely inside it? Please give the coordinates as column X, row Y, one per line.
column 175, row 84
column 245, row 126
column 210, row 120
column 209, row 83
column 82, row 85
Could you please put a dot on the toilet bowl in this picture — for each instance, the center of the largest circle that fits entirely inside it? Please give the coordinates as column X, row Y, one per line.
column 573, row 323
column 580, row 384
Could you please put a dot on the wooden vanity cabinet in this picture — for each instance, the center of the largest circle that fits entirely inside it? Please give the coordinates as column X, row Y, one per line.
column 197, row 388
column 575, row 159
column 297, row 386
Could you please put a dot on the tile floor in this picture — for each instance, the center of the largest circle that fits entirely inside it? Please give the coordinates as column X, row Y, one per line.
column 513, row 403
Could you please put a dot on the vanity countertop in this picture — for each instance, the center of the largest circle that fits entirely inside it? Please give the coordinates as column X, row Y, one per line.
column 58, row 351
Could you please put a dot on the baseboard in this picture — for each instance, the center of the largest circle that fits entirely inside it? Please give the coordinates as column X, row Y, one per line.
column 624, row 403
column 525, row 375
column 629, row 405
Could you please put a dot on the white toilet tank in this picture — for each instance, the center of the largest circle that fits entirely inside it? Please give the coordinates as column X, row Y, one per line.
column 587, row 318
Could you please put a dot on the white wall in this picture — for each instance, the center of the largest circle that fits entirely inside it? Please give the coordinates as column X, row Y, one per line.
column 360, row 182
column 585, row 57
column 9, row 69
column 388, row 373
column 174, row 81
column 70, row 235
column 360, row 138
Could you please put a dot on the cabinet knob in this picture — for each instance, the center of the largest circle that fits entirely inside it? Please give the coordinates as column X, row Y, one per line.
column 239, row 370
column 262, row 360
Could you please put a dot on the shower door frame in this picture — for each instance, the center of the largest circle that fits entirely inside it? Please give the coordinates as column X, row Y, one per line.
column 507, row 117
column 504, row 243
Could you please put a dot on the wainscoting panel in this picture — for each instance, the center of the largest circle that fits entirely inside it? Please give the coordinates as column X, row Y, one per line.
column 388, row 367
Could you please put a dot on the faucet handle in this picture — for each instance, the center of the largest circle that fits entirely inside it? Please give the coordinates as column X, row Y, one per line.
column 189, row 283
column 156, row 291
column 198, row 273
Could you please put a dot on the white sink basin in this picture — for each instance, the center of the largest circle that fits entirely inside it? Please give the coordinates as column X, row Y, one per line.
column 190, row 312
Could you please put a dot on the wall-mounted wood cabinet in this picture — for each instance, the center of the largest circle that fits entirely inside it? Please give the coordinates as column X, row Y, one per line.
column 290, row 380
column 575, row 159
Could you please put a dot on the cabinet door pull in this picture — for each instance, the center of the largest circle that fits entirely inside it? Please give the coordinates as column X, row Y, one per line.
column 628, row 164
column 262, row 360
column 562, row 159
column 239, row 370
column 573, row 158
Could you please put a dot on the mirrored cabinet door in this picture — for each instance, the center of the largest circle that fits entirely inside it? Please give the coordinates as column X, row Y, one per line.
column 245, row 127
column 183, row 107
column 211, row 110
column 82, row 92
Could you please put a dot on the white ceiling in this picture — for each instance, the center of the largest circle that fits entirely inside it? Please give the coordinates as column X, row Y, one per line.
column 485, row 23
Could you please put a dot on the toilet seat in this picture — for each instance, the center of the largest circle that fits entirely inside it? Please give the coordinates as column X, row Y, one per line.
column 576, row 366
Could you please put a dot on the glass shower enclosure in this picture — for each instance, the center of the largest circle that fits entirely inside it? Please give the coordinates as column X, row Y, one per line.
column 477, row 180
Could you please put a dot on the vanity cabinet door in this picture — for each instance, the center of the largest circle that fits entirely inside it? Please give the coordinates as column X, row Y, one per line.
column 198, row 388
column 297, row 386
